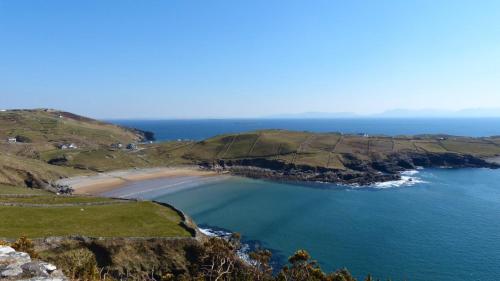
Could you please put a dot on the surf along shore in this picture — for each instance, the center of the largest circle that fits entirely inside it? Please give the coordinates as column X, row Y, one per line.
column 109, row 181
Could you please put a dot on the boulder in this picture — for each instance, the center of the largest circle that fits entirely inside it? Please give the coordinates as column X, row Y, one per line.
column 19, row 266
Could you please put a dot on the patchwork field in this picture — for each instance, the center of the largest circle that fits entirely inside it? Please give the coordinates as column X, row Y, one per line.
column 328, row 150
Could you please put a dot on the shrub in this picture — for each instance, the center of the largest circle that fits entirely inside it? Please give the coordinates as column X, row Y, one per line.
column 79, row 264
column 23, row 244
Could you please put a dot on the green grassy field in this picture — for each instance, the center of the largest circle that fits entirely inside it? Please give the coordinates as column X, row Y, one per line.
column 141, row 219
column 113, row 219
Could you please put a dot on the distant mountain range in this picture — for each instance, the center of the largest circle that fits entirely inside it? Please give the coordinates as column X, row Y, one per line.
column 397, row 113
column 313, row 115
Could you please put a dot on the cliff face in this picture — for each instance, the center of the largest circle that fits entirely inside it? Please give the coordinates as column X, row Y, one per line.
column 359, row 171
column 339, row 158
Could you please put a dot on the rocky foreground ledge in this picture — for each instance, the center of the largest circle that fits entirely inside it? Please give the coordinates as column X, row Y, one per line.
column 19, row 266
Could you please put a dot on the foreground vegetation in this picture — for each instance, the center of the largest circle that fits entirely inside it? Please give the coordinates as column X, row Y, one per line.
column 213, row 259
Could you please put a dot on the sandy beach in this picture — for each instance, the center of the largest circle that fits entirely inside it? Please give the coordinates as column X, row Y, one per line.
column 109, row 181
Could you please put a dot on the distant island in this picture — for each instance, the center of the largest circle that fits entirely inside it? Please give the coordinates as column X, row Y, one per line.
column 42, row 146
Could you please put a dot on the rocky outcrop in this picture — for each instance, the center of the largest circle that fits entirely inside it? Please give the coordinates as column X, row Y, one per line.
column 358, row 171
column 19, row 266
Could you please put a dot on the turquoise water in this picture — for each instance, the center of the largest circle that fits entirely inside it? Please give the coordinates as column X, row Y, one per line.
column 445, row 228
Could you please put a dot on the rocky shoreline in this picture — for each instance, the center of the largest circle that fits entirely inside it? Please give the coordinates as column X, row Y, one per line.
column 360, row 171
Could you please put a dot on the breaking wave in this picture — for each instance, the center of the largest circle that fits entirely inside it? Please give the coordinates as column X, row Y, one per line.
column 243, row 252
column 408, row 178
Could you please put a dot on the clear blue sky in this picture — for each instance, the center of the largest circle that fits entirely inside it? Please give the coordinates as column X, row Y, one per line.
column 161, row 59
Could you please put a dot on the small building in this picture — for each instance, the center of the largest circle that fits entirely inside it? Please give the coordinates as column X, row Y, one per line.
column 67, row 146
column 11, row 140
column 132, row 146
column 117, row 145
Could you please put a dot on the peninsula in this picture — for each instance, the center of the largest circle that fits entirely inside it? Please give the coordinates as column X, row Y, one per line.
column 43, row 146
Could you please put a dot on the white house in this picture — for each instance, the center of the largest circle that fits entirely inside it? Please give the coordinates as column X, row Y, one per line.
column 72, row 146
column 11, row 140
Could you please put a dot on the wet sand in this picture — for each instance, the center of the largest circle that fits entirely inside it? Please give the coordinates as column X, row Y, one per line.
column 107, row 182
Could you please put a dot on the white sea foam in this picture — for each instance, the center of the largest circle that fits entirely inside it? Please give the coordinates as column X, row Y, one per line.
column 408, row 178
column 243, row 252
column 409, row 173
column 215, row 233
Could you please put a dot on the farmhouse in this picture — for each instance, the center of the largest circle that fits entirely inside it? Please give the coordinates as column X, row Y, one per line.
column 68, row 146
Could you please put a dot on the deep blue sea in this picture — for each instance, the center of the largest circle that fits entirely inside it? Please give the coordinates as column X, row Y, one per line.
column 200, row 129
column 444, row 225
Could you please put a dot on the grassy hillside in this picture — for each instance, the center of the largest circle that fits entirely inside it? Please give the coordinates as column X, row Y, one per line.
column 44, row 129
column 332, row 150
column 39, row 134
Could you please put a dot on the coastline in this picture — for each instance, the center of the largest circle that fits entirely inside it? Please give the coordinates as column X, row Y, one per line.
column 109, row 181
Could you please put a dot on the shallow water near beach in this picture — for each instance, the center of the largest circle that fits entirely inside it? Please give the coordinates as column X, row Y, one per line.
column 443, row 225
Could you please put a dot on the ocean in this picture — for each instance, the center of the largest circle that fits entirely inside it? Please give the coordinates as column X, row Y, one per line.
column 443, row 225
column 201, row 129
